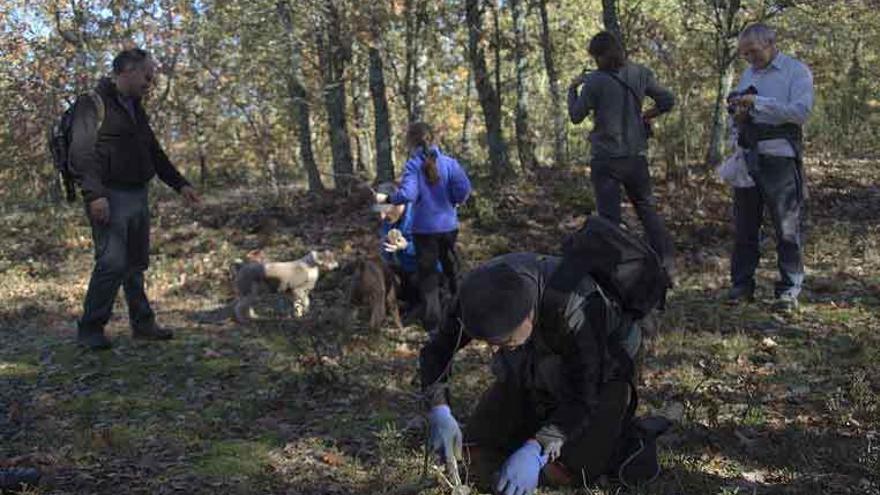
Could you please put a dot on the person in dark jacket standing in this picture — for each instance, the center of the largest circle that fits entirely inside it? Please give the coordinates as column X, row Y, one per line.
column 435, row 184
column 563, row 391
column 619, row 141
column 113, row 163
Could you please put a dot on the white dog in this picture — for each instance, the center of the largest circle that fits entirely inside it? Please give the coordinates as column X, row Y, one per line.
column 297, row 278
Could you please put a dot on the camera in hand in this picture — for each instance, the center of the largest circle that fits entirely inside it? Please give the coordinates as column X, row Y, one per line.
column 734, row 96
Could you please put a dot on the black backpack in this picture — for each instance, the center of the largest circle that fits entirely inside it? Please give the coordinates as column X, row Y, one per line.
column 631, row 274
column 626, row 268
column 60, row 139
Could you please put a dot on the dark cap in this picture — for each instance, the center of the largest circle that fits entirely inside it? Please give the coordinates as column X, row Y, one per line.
column 495, row 299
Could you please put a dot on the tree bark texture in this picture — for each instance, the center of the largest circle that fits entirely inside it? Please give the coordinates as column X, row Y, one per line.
column 381, row 115
column 300, row 100
column 361, row 143
column 611, row 21
column 489, row 99
column 727, row 28
column 334, row 52
column 560, row 139
column 524, row 141
column 414, row 85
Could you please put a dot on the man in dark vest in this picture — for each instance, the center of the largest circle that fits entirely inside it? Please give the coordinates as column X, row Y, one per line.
column 774, row 99
column 559, row 409
column 113, row 164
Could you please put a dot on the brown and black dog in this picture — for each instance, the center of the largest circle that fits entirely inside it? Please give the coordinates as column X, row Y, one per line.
column 374, row 286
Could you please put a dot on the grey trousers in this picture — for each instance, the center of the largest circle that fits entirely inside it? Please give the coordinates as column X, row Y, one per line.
column 632, row 173
column 779, row 188
column 122, row 249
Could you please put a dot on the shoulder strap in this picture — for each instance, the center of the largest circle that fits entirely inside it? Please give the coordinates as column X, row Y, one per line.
column 628, row 88
column 99, row 107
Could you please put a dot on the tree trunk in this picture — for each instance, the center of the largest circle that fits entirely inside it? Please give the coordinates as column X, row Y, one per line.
column 299, row 100
column 416, row 18
column 466, row 124
column 524, row 143
column 726, row 32
column 496, row 47
column 611, row 21
column 724, row 81
column 382, row 118
column 673, row 174
column 333, row 55
column 361, row 143
column 201, row 143
column 489, row 99
column 560, row 139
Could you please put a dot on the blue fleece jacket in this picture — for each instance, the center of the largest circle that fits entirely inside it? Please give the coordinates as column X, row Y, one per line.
column 433, row 206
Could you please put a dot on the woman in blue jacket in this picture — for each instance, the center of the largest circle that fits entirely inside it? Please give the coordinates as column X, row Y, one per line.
column 435, row 184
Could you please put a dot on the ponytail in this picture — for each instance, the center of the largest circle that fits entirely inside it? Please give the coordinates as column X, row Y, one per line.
column 420, row 135
column 430, row 166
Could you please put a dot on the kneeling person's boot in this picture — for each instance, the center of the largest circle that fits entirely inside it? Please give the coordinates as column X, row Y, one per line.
column 636, row 462
column 152, row 331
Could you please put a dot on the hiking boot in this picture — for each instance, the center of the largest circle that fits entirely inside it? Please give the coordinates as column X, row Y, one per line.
column 152, row 332
column 740, row 294
column 636, row 463
column 94, row 341
column 16, row 479
column 642, row 466
column 785, row 304
column 639, row 464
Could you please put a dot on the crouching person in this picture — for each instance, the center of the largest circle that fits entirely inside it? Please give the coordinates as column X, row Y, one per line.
column 560, row 410
column 398, row 249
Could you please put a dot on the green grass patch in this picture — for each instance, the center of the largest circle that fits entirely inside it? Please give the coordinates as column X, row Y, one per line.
column 10, row 369
column 234, row 458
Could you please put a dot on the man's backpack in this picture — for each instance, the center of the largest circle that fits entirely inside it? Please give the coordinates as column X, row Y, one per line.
column 626, row 268
column 60, row 138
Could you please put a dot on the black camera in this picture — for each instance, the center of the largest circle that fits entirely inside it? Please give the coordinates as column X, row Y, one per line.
column 733, row 96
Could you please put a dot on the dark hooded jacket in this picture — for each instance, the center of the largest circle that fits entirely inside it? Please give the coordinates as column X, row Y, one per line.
column 124, row 153
column 562, row 364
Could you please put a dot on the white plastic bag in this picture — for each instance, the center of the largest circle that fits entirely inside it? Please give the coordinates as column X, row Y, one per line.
column 733, row 170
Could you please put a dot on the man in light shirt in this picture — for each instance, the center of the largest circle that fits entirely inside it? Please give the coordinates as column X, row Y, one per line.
column 770, row 131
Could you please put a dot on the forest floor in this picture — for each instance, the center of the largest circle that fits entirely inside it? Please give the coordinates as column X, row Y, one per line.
column 762, row 403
